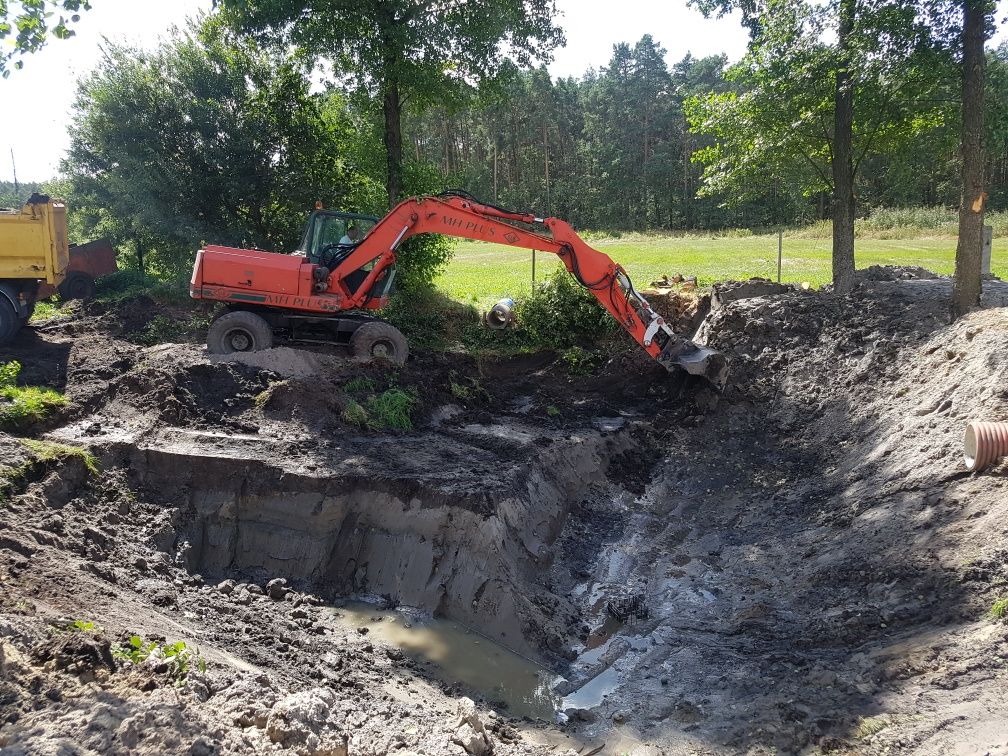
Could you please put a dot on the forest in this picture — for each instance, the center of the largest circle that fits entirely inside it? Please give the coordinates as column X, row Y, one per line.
column 239, row 123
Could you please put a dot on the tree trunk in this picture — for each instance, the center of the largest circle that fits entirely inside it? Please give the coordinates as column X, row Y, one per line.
column 843, row 161
column 392, row 108
column 966, row 288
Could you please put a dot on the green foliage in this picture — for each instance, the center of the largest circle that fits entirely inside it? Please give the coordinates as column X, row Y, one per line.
column 579, row 361
column 206, row 139
column 44, row 310
column 552, row 410
column 391, row 410
column 466, row 389
column 359, row 384
column 178, row 658
column 21, row 407
column 83, row 626
column 47, row 451
column 774, row 127
column 355, row 414
column 999, row 609
column 129, row 284
column 560, row 312
column 31, row 23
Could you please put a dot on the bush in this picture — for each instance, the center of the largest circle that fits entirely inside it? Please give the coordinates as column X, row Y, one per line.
column 560, row 313
column 127, row 284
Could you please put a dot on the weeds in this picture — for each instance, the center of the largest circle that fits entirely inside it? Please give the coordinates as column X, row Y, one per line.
column 46, row 451
column 355, row 414
column 391, row 409
column 360, row 384
column 44, row 310
column 24, row 406
column 870, row 726
column 553, row 411
column 560, row 312
column 578, row 361
column 999, row 609
column 177, row 658
column 83, row 626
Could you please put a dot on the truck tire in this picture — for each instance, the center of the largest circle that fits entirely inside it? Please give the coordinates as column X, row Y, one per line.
column 78, row 286
column 239, row 331
column 10, row 323
column 379, row 340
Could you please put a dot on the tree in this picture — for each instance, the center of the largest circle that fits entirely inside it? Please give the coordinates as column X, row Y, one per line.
column 208, row 139
column 822, row 88
column 426, row 51
column 30, row 23
column 967, row 285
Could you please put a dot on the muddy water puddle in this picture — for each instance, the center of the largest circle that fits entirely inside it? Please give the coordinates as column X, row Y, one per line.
column 458, row 655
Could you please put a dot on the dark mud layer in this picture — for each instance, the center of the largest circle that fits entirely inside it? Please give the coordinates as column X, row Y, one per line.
column 431, row 521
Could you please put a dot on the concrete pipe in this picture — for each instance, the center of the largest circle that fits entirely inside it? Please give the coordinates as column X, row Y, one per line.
column 984, row 443
column 500, row 316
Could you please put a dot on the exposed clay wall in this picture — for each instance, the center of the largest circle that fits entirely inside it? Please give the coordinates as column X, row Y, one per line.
column 457, row 554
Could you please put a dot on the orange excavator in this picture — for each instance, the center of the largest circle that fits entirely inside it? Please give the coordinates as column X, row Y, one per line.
column 344, row 270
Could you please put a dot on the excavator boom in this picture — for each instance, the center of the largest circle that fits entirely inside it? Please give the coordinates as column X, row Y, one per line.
column 359, row 276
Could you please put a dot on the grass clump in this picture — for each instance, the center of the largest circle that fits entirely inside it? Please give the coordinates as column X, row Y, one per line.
column 389, row 410
column 360, row 384
column 355, row 414
column 24, row 406
column 870, row 726
column 999, row 609
column 46, row 451
column 392, row 409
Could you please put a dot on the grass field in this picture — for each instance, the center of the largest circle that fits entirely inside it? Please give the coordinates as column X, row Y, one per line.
column 483, row 272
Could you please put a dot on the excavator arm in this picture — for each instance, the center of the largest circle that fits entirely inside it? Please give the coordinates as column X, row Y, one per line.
column 456, row 214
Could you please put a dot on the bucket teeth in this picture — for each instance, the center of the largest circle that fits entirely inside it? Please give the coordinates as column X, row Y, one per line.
column 701, row 361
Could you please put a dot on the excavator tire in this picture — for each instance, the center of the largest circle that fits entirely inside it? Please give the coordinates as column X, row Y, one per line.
column 380, row 340
column 239, row 331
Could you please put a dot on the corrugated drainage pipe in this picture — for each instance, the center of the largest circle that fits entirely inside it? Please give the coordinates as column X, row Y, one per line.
column 984, row 443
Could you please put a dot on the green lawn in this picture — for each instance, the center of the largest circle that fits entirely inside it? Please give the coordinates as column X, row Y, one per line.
column 483, row 272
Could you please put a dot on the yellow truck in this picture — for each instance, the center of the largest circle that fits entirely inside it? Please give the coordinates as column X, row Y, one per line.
column 34, row 256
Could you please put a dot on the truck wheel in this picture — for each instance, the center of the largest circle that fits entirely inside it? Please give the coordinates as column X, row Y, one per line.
column 380, row 340
column 79, row 286
column 10, row 323
column 239, row 331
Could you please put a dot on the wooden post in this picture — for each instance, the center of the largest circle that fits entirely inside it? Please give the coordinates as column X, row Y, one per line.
column 495, row 170
column 533, row 267
column 780, row 253
column 988, row 242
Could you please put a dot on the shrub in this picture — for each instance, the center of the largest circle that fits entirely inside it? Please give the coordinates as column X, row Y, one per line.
column 177, row 658
column 560, row 313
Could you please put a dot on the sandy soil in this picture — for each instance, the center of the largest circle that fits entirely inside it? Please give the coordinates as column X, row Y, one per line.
column 800, row 564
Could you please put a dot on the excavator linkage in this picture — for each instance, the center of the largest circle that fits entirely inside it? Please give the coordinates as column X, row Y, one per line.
column 358, row 275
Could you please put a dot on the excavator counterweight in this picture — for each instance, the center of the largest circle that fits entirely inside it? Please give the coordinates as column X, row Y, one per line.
column 334, row 284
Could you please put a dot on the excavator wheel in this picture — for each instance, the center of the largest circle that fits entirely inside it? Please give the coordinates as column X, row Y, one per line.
column 379, row 340
column 239, row 331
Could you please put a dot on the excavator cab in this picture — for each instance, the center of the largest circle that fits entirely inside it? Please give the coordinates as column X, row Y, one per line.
column 330, row 236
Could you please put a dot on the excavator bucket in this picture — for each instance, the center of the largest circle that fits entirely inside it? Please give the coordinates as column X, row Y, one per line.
column 681, row 353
